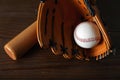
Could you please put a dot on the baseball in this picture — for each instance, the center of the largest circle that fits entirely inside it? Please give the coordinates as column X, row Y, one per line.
column 87, row 35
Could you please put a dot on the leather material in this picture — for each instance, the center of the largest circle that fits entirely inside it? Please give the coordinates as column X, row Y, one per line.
column 57, row 20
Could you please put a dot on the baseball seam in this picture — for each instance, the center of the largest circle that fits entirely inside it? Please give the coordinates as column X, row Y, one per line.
column 87, row 40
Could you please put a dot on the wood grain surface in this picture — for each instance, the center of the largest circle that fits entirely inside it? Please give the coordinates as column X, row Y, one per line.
column 16, row 15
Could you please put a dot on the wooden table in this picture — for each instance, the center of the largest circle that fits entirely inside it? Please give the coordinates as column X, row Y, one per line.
column 16, row 15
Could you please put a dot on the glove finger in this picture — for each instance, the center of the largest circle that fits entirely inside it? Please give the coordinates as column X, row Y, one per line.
column 46, row 23
column 56, row 39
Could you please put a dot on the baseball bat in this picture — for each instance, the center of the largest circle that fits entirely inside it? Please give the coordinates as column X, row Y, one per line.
column 25, row 40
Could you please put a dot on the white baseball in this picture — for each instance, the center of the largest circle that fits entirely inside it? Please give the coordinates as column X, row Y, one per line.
column 87, row 35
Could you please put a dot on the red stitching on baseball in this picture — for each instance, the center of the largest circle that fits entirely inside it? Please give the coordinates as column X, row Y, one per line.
column 87, row 40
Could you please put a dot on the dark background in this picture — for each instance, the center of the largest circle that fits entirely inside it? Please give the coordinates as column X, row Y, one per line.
column 16, row 15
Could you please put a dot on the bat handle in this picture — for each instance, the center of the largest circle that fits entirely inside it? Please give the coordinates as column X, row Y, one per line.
column 22, row 42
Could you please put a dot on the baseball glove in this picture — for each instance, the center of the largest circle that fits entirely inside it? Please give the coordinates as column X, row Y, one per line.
column 57, row 20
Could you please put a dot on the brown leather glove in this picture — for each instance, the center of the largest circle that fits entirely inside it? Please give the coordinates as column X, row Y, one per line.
column 57, row 20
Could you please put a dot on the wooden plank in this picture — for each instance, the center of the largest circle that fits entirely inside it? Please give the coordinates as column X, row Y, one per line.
column 39, row 63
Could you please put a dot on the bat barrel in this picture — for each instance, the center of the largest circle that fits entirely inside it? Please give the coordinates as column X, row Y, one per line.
column 22, row 42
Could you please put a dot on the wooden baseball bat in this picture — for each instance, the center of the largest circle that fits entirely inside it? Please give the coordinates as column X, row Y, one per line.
column 22, row 42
